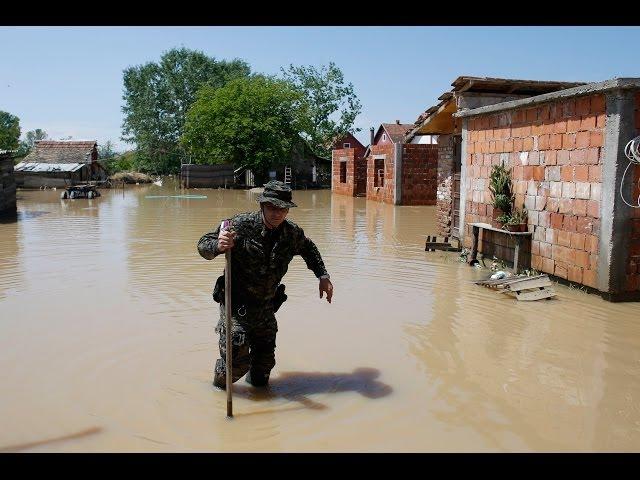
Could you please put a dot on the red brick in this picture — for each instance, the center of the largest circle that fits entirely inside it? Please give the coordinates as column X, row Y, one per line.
column 556, row 141
column 581, row 173
column 556, row 220
column 564, row 238
column 595, row 139
column 543, row 142
column 561, row 270
column 573, row 125
column 583, row 106
column 563, row 157
column 566, row 204
column 597, row 104
column 593, row 208
column 548, row 265
column 550, row 157
column 541, row 201
column 548, row 127
column 531, row 115
column 560, row 126
column 536, row 129
column 566, row 173
column 591, row 243
column 544, row 219
column 538, row 173
column 600, row 120
column 508, row 145
column 582, row 139
column 535, row 247
column 569, row 223
column 589, row 278
column 595, row 173
column 584, row 225
column 527, row 144
column 553, row 205
column 575, row 274
column 569, row 141
column 517, row 144
column 632, row 283
column 593, row 156
column 579, row 207
column 588, row 123
column 577, row 241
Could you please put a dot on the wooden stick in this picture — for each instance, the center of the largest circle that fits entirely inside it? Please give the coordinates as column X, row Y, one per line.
column 229, row 343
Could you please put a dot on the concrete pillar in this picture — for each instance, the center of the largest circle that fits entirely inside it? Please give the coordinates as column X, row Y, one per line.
column 463, row 176
column 397, row 174
column 614, row 214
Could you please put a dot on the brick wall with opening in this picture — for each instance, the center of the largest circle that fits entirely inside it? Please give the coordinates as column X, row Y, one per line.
column 380, row 177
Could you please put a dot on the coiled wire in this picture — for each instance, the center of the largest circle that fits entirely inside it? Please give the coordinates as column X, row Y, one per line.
column 632, row 152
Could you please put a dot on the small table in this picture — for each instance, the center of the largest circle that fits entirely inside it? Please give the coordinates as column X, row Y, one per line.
column 517, row 236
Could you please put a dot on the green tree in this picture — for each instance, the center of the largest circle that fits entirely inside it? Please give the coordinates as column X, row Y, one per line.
column 9, row 131
column 30, row 139
column 106, row 150
column 329, row 107
column 249, row 122
column 157, row 96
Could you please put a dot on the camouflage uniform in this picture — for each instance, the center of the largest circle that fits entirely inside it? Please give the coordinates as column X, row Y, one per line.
column 260, row 258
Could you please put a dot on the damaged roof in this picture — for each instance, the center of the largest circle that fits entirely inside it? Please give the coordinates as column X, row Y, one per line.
column 50, row 151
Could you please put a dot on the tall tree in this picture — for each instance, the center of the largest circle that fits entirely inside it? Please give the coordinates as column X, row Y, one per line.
column 329, row 106
column 9, row 131
column 249, row 122
column 106, row 150
column 30, row 139
column 157, row 96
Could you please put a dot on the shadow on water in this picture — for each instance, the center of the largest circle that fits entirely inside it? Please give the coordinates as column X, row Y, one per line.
column 295, row 386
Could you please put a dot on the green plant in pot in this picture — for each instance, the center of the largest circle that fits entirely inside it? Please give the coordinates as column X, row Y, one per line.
column 500, row 188
column 517, row 221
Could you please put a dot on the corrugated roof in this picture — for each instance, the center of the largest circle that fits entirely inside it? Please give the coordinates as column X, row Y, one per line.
column 47, row 167
column 509, row 85
column 50, row 151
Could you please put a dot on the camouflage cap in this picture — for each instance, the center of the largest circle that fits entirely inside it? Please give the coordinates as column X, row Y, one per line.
column 277, row 193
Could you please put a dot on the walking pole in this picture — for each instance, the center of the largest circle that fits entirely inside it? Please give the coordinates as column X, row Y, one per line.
column 227, row 327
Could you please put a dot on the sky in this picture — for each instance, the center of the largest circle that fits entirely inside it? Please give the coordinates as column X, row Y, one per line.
column 68, row 80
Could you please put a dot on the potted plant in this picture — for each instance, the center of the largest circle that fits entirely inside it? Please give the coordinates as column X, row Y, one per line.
column 500, row 188
column 517, row 221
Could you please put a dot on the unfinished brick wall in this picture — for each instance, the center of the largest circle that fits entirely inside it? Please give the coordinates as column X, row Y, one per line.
column 384, row 193
column 419, row 174
column 632, row 280
column 555, row 151
column 445, row 184
column 338, row 187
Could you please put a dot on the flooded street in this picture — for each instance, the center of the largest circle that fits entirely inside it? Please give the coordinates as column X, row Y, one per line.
column 107, row 339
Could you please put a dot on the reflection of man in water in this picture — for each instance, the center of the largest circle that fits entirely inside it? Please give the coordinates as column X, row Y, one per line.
column 263, row 244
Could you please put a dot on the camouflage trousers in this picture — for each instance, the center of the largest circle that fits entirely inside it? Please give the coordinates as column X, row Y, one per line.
column 253, row 338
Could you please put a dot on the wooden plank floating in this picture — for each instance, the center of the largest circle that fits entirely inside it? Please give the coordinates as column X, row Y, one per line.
column 525, row 288
column 432, row 244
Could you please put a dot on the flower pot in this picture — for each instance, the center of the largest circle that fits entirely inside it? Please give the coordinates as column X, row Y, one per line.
column 519, row 227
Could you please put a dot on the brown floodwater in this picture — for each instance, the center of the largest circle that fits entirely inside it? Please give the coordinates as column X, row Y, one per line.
column 107, row 339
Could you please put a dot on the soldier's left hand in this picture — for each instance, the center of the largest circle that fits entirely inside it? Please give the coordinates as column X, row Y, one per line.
column 326, row 286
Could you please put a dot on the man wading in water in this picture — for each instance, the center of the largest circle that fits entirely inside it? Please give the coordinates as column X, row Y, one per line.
column 263, row 244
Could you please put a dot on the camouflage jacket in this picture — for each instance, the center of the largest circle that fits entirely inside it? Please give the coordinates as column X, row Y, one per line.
column 260, row 257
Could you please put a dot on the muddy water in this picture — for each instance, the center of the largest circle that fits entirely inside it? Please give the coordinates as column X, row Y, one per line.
column 107, row 341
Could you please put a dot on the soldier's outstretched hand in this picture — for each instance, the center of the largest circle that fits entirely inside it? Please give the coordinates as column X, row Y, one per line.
column 326, row 286
column 226, row 240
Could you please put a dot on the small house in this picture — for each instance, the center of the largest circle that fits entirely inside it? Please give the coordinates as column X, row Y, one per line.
column 59, row 163
column 348, row 167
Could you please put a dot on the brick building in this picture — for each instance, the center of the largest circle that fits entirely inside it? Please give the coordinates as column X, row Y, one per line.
column 400, row 173
column 566, row 153
column 438, row 125
column 348, row 167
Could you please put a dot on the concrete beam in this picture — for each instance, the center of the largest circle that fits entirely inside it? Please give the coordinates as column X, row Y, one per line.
column 614, row 214
column 463, row 177
column 589, row 89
